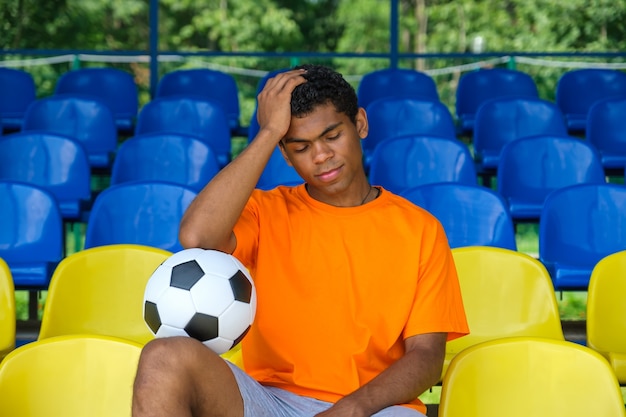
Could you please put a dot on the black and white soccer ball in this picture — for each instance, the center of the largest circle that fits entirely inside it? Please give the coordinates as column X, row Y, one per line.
column 204, row 294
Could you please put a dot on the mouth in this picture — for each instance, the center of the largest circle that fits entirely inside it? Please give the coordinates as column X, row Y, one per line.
column 329, row 175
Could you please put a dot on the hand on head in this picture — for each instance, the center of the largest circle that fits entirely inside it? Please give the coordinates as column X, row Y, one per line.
column 274, row 102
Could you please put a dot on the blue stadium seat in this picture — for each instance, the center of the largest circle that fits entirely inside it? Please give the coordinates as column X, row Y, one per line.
column 17, row 92
column 477, row 87
column 577, row 90
column 204, row 83
column 85, row 119
column 403, row 162
column 31, row 239
column 170, row 157
column 54, row 162
column 580, row 225
column 401, row 116
column 204, row 119
column 390, row 82
column 141, row 212
column 115, row 87
column 471, row 215
column 605, row 131
column 503, row 120
column 278, row 172
column 530, row 168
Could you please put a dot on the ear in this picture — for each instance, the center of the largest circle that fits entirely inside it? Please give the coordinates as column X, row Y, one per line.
column 284, row 153
column 362, row 125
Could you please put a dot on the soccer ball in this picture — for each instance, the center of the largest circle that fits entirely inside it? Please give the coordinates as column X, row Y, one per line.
column 204, row 294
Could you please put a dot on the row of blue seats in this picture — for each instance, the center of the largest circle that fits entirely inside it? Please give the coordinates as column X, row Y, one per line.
column 578, row 224
column 529, row 168
column 576, row 90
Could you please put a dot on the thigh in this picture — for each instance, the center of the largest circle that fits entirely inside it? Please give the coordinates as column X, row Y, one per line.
column 398, row 411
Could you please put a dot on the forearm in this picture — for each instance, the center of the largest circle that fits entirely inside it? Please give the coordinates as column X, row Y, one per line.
column 418, row 370
column 209, row 220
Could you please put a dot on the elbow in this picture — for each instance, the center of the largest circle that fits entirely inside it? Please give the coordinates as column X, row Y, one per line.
column 189, row 238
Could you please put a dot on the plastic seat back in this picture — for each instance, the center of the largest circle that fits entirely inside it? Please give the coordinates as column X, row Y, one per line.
column 471, row 215
column 505, row 294
column 520, row 377
column 503, row 120
column 477, row 87
column 100, row 291
column 55, row 162
column 401, row 116
column 278, row 172
column 531, row 168
column 31, row 240
column 85, row 119
column 18, row 91
column 579, row 225
column 407, row 161
column 115, row 87
column 7, row 310
column 606, row 311
column 605, row 130
column 577, row 90
column 389, row 82
column 142, row 212
column 83, row 375
column 204, row 83
column 201, row 118
column 170, row 157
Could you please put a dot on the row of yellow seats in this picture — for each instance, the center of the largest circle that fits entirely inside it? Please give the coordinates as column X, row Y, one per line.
column 506, row 294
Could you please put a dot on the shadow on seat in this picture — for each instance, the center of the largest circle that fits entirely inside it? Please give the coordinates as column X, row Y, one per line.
column 18, row 92
column 395, row 82
column 503, row 120
column 31, row 227
column 52, row 161
column 605, row 131
column 141, row 212
column 606, row 311
column 477, row 87
column 506, row 294
column 401, row 116
column 577, row 90
column 79, row 375
column 403, row 162
column 204, row 119
column 520, row 377
column 115, row 87
column 579, row 225
column 278, row 172
column 530, row 168
column 170, row 157
column 83, row 118
column 204, row 84
column 471, row 215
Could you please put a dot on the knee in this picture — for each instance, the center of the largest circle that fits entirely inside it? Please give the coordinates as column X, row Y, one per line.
column 170, row 353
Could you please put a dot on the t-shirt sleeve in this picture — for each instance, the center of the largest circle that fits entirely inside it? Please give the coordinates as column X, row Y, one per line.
column 438, row 305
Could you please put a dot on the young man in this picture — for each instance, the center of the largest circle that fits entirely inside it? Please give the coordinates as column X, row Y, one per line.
column 357, row 289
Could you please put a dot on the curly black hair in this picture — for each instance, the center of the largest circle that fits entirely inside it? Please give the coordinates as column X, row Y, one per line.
column 324, row 85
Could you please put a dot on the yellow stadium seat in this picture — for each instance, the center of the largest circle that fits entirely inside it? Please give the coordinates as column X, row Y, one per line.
column 506, row 294
column 100, row 291
column 69, row 376
column 606, row 311
column 538, row 377
column 7, row 310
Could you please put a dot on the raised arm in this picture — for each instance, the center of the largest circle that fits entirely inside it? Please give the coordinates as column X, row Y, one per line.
column 208, row 222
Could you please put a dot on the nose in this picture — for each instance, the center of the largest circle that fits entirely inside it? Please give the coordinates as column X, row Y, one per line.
column 322, row 152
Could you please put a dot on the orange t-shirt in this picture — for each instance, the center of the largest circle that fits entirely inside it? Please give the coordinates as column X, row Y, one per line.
column 338, row 289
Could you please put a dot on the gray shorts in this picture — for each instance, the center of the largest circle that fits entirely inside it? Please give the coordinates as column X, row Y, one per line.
column 262, row 401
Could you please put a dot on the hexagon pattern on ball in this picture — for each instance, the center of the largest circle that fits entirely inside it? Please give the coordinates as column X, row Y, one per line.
column 204, row 294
